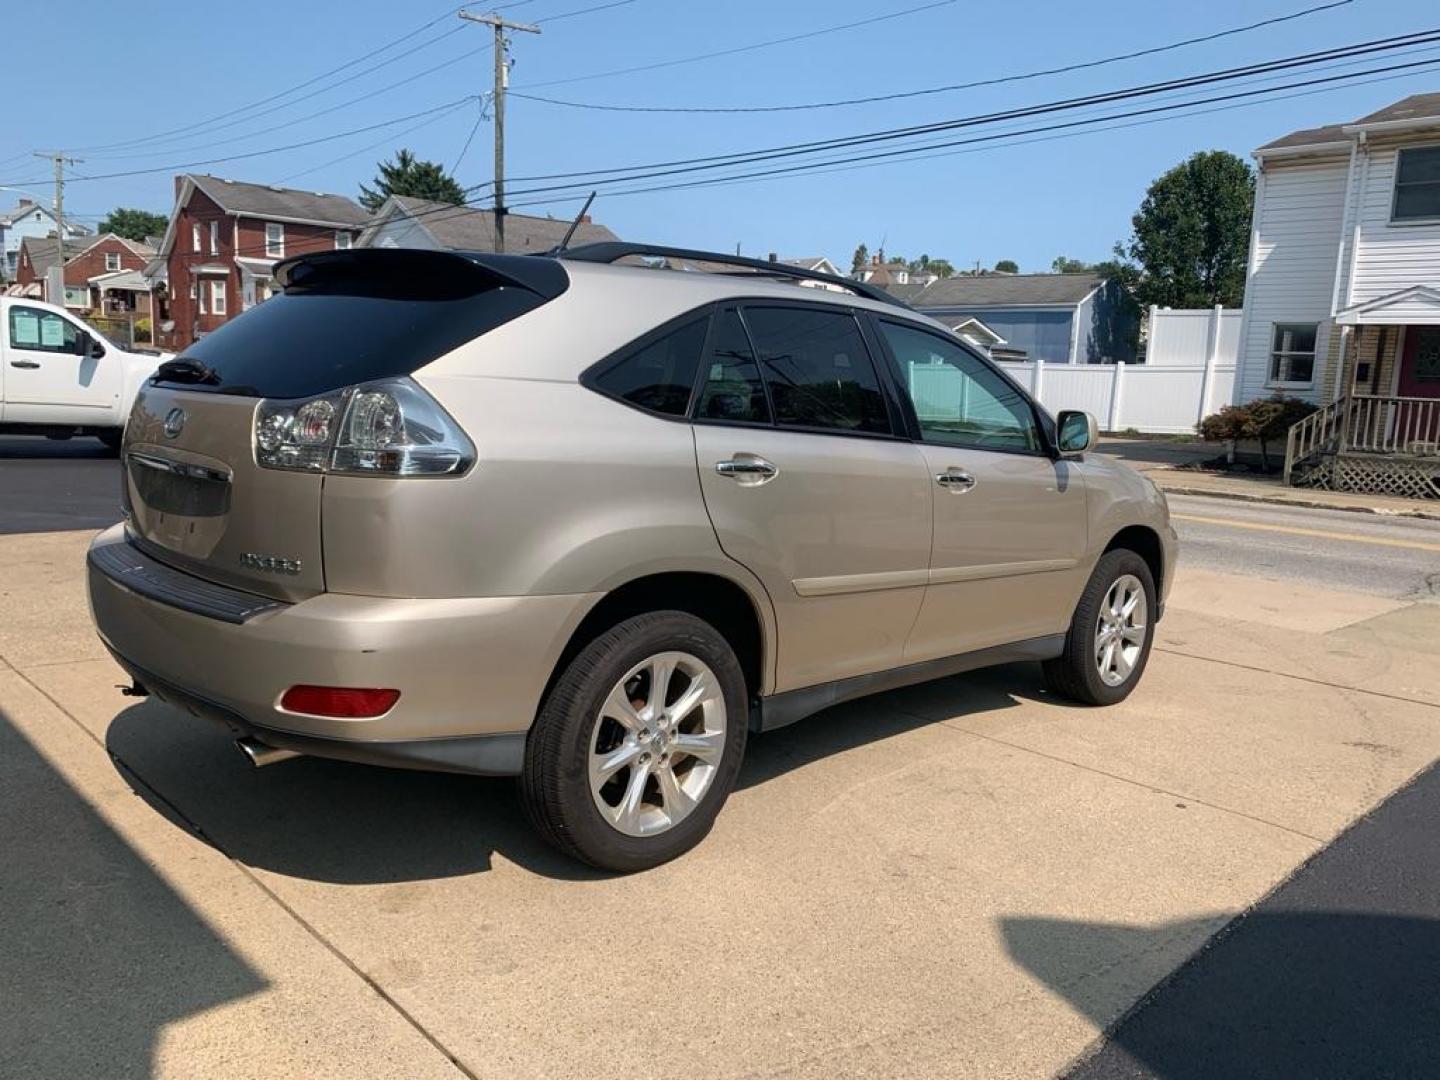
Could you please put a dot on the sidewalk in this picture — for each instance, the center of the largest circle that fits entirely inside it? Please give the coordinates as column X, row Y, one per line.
column 1165, row 463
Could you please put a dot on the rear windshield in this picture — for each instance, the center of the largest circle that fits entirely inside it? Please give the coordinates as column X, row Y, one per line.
column 340, row 326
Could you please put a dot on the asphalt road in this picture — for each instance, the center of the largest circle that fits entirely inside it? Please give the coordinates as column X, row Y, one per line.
column 1336, row 549
column 49, row 485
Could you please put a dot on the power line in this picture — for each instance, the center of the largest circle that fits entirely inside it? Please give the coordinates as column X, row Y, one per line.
column 845, row 102
column 276, row 96
column 583, row 11
column 368, row 147
column 279, row 149
column 717, row 161
column 742, row 48
column 911, row 153
column 479, row 119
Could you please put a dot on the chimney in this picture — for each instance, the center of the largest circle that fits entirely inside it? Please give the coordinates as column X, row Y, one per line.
column 875, row 260
column 179, row 182
column 773, row 257
column 26, row 201
column 584, row 219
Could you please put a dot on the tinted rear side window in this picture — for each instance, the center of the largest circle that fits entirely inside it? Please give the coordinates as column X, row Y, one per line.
column 659, row 376
column 375, row 319
column 733, row 390
column 817, row 367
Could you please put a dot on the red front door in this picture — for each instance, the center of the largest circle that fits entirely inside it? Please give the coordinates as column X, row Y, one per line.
column 1419, row 377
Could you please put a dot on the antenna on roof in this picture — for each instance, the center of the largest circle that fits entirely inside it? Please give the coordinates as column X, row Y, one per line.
column 565, row 243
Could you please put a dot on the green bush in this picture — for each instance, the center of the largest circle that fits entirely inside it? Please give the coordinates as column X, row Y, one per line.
column 1264, row 420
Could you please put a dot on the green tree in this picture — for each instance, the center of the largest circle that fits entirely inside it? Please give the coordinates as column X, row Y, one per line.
column 1007, row 266
column 133, row 224
column 860, row 259
column 407, row 175
column 1063, row 264
column 1192, row 233
column 941, row 268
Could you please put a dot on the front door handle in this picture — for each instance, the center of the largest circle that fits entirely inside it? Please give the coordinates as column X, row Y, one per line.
column 749, row 469
column 24, row 364
column 956, row 480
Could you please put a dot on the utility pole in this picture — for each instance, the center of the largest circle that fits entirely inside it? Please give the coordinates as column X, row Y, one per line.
column 502, row 72
column 55, row 277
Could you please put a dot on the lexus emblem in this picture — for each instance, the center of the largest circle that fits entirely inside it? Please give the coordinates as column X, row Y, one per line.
column 174, row 423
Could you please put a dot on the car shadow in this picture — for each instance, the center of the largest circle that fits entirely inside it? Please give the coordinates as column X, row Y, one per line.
column 354, row 824
column 99, row 955
column 36, row 448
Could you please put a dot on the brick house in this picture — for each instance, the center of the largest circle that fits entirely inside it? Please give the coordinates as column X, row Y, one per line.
column 222, row 243
column 103, row 274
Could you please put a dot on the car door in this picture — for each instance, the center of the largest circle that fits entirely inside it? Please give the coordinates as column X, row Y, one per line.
column 51, row 376
column 808, row 486
column 1010, row 521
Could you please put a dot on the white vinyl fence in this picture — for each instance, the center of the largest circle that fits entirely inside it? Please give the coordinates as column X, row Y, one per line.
column 1181, row 337
column 1168, row 399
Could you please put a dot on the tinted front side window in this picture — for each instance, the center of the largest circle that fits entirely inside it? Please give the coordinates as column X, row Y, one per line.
column 958, row 400
column 660, row 375
column 733, row 390
column 818, row 369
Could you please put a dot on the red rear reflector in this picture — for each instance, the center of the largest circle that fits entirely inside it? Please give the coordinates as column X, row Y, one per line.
column 340, row 701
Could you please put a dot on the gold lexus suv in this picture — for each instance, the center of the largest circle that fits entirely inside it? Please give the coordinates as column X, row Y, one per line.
column 592, row 519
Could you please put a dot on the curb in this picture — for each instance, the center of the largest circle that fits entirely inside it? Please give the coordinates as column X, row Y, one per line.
column 1306, row 504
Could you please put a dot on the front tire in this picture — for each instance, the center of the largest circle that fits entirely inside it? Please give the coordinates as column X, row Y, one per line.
column 1110, row 634
column 638, row 743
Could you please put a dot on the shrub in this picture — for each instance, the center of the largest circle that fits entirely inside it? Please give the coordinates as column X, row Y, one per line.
column 1264, row 420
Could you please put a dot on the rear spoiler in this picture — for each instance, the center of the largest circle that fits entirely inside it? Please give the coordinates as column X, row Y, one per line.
column 420, row 274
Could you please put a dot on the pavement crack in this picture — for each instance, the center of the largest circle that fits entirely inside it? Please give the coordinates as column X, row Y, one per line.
column 314, row 932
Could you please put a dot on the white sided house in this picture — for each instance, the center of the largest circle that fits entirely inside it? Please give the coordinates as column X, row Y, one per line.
column 1342, row 298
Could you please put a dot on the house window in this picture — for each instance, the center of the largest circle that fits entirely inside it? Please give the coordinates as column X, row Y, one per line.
column 217, row 297
column 214, row 238
column 1417, row 184
column 1292, row 354
column 195, row 236
column 198, row 295
column 112, row 262
column 342, row 240
column 274, row 240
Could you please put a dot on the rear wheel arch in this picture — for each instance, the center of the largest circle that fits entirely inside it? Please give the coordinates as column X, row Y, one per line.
column 720, row 601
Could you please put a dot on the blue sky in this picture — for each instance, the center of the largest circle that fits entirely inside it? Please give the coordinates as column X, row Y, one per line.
column 136, row 70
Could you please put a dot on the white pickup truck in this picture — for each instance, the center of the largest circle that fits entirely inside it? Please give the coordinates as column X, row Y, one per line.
column 60, row 378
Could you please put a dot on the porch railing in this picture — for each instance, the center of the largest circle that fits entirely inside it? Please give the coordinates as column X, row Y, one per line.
column 1366, row 424
column 1391, row 425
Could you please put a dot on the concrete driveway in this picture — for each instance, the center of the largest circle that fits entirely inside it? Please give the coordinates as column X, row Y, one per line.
column 968, row 878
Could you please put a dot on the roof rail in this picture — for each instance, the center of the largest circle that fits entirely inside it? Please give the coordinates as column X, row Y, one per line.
column 615, row 250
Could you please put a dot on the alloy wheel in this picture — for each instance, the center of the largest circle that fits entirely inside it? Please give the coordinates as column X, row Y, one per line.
column 1120, row 630
column 657, row 744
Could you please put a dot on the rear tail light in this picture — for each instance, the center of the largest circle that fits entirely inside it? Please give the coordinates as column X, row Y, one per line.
column 342, row 702
column 390, row 428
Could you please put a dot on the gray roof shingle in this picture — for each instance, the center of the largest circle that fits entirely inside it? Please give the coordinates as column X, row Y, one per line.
column 263, row 200
column 43, row 250
column 1007, row 290
column 468, row 229
column 1414, row 107
column 1330, row 133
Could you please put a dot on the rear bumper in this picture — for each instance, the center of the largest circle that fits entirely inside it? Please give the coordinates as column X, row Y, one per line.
column 466, row 668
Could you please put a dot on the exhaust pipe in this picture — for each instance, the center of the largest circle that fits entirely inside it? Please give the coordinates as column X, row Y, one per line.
column 261, row 755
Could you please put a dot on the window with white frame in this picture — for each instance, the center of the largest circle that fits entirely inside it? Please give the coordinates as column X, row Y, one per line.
column 112, row 262
column 217, row 296
column 197, row 293
column 342, row 240
column 1417, row 184
column 274, row 240
column 195, row 236
column 214, row 238
column 1292, row 354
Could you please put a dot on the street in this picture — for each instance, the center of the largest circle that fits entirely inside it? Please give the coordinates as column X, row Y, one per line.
column 967, row 878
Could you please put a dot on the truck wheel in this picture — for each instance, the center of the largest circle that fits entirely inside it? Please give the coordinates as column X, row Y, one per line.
column 1110, row 634
column 638, row 743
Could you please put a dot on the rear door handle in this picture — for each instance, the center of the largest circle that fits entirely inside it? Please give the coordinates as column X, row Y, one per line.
column 747, row 469
column 24, row 364
column 957, row 480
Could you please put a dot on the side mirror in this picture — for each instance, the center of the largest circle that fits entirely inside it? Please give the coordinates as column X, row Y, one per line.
column 97, row 350
column 1075, row 432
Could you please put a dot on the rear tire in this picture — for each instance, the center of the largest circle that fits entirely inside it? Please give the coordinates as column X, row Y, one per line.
column 624, row 777
column 1110, row 634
